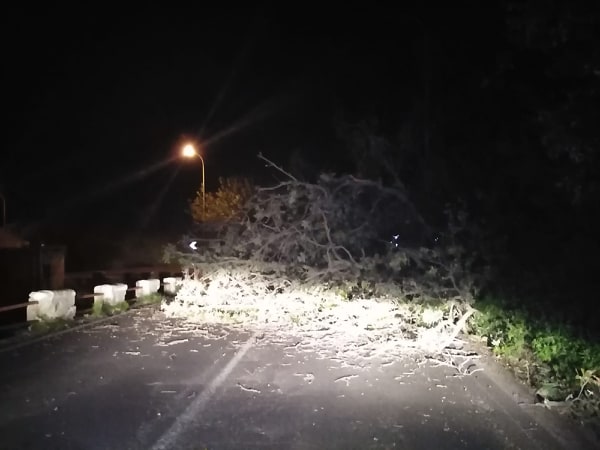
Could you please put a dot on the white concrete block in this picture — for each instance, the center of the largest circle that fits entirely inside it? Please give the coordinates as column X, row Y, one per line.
column 32, row 313
column 142, row 287
column 146, row 287
column 52, row 305
column 119, row 292
column 44, row 298
column 107, row 294
column 154, row 285
column 170, row 285
column 64, row 304
column 106, row 290
column 44, row 305
column 112, row 294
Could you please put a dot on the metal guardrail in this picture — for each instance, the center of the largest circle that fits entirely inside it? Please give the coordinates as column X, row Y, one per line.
column 18, row 306
column 89, row 274
column 100, row 294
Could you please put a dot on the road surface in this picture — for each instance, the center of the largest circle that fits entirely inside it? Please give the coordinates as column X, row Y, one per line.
column 139, row 381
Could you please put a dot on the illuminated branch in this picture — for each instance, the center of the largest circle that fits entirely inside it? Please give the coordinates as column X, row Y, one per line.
column 272, row 164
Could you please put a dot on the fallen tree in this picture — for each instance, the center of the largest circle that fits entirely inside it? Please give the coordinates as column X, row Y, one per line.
column 338, row 230
column 328, row 241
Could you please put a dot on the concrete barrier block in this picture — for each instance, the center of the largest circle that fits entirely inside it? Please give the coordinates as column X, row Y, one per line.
column 119, row 292
column 154, row 285
column 32, row 313
column 64, row 304
column 172, row 284
column 169, row 285
column 52, row 305
column 43, row 307
column 142, row 288
column 107, row 295
column 44, row 299
column 106, row 290
column 146, row 287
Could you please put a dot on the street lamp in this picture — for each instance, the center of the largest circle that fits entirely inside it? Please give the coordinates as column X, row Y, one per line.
column 189, row 151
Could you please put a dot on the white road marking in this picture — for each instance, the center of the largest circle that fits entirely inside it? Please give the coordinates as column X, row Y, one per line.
column 169, row 438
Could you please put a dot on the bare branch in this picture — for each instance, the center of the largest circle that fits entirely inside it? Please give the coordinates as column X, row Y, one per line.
column 272, row 164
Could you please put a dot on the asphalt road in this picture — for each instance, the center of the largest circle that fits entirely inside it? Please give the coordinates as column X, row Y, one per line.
column 139, row 381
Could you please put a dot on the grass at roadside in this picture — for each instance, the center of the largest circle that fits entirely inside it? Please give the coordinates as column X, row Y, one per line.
column 150, row 299
column 559, row 360
column 49, row 326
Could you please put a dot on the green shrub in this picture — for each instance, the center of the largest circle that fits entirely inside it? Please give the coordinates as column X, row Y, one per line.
column 104, row 309
column 518, row 334
column 506, row 331
column 150, row 299
column 49, row 325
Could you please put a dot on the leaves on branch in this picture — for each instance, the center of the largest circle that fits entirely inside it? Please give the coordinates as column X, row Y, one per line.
column 225, row 204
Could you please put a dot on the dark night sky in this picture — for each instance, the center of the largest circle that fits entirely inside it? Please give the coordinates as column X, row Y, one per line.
column 94, row 99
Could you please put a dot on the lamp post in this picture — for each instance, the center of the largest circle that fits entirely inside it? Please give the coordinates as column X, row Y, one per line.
column 189, row 151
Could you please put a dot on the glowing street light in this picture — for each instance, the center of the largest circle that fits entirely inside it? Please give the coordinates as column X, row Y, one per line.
column 189, row 151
